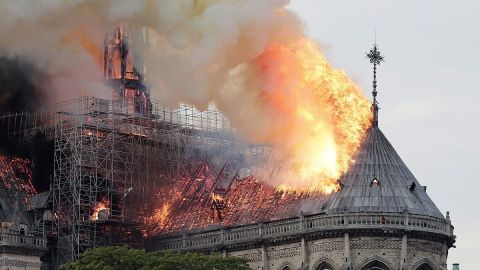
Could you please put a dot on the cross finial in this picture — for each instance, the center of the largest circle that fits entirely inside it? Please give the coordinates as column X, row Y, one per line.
column 375, row 58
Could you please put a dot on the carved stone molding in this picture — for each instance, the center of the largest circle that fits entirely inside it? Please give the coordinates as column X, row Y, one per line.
column 424, row 261
column 284, row 253
column 324, row 260
column 375, row 244
column 8, row 262
column 429, row 247
column 285, row 264
column 325, row 246
column 375, row 258
column 251, row 257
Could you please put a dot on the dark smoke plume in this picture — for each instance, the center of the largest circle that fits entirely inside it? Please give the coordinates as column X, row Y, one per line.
column 20, row 92
column 41, row 154
column 19, row 89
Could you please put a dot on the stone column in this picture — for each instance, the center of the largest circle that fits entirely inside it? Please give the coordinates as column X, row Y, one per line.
column 403, row 252
column 443, row 259
column 184, row 240
column 264, row 258
column 304, row 253
column 347, row 264
column 449, row 224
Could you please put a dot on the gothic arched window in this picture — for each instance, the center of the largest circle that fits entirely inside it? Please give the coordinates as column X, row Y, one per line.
column 287, row 268
column 424, row 266
column 324, row 266
column 376, row 265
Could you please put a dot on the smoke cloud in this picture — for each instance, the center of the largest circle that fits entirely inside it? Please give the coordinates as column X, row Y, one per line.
column 19, row 92
column 248, row 57
column 18, row 86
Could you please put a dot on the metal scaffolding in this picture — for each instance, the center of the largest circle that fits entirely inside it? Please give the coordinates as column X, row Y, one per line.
column 111, row 156
column 105, row 154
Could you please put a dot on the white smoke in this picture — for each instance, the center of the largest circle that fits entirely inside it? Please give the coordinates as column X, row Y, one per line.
column 212, row 36
column 200, row 52
column 197, row 45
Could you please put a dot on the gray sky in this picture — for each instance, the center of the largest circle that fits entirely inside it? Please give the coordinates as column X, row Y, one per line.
column 428, row 91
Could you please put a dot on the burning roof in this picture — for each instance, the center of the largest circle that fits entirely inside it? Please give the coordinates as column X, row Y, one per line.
column 16, row 173
column 207, row 197
column 378, row 181
column 15, row 183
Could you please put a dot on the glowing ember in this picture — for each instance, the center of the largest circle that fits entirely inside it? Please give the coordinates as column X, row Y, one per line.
column 16, row 173
column 323, row 116
column 101, row 206
column 198, row 201
column 216, row 198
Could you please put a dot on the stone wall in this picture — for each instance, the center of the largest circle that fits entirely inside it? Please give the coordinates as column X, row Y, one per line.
column 19, row 262
column 353, row 251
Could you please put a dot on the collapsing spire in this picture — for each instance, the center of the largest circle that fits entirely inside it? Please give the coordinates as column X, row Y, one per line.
column 375, row 58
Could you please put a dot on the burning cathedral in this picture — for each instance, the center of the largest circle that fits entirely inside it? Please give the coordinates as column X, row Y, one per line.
column 381, row 218
column 131, row 171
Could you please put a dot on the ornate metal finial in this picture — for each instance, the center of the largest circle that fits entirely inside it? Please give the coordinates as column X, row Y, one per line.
column 375, row 58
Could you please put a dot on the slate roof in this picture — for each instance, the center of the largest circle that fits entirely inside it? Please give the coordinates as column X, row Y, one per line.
column 15, row 184
column 377, row 159
column 37, row 201
column 252, row 201
column 12, row 208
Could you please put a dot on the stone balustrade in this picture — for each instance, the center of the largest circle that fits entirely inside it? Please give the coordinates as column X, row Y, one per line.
column 13, row 239
column 304, row 224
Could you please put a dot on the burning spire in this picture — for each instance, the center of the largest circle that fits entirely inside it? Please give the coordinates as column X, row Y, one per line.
column 375, row 58
column 121, row 72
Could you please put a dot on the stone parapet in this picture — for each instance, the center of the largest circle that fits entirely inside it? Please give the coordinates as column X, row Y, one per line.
column 196, row 240
column 14, row 239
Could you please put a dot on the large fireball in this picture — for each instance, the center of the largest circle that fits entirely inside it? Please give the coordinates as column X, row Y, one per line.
column 321, row 116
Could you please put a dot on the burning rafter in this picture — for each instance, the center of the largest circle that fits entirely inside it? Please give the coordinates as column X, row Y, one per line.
column 16, row 173
column 200, row 200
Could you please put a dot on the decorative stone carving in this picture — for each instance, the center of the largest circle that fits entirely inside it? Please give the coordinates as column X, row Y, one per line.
column 252, row 257
column 25, row 264
column 325, row 246
column 424, row 261
column 376, row 244
column 284, row 253
column 429, row 247
column 375, row 258
column 286, row 264
column 324, row 260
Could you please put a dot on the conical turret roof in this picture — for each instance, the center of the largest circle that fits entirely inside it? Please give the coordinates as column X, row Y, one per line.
column 379, row 181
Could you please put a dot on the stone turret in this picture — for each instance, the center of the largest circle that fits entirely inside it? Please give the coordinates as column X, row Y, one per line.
column 382, row 218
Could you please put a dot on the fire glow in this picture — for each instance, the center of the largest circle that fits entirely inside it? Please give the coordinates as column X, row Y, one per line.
column 324, row 116
column 314, row 116
column 103, row 205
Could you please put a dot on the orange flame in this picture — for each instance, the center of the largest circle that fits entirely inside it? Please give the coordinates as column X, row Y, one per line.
column 322, row 114
column 83, row 38
column 102, row 205
column 161, row 214
column 217, row 198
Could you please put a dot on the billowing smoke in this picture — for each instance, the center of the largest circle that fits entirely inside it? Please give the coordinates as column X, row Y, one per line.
column 248, row 57
column 19, row 92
